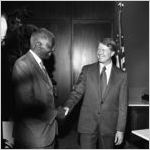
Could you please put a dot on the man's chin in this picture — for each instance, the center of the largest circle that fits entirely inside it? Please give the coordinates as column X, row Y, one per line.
column 101, row 61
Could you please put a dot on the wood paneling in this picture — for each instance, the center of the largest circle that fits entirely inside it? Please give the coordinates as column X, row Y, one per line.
column 99, row 10
column 40, row 9
column 94, row 10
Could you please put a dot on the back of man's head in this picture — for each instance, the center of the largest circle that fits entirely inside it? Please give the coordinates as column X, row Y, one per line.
column 41, row 33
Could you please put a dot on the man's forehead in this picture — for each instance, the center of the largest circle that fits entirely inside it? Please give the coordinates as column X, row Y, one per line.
column 43, row 39
column 101, row 45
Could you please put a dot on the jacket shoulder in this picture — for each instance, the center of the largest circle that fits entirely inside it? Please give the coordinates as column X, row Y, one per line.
column 21, row 62
column 90, row 66
column 22, row 65
column 120, row 72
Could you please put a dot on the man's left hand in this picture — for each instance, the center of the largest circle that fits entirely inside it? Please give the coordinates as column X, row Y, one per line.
column 119, row 137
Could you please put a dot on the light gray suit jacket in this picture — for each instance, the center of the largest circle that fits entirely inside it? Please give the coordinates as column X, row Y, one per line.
column 35, row 125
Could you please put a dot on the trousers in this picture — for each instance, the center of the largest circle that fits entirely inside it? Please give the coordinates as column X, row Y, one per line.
column 93, row 141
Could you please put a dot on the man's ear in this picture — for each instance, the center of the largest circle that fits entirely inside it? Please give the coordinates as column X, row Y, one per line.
column 38, row 45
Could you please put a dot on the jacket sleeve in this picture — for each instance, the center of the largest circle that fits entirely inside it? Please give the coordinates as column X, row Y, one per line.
column 123, row 104
column 78, row 90
column 22, row 82
column 25, row 103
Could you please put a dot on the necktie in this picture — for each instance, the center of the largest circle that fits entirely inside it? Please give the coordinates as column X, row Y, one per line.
column 103, row 81
column 43, row 68
column 45, row 72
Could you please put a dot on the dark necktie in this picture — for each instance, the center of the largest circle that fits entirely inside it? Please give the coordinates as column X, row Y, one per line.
column 103, row 81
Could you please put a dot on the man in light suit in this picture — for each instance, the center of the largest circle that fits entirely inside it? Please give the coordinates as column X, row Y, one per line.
column 34, row 125
column 104, row 108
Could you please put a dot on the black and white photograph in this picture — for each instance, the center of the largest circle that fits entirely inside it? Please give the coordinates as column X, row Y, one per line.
column 75, row 75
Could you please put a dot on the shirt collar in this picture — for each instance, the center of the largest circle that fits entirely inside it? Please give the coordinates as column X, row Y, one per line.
column 37, row 58
column 108, row 67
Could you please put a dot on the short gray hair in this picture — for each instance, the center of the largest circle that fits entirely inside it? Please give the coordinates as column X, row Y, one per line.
column 42, row 33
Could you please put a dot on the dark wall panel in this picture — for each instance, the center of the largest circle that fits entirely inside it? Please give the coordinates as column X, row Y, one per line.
column 41, row 9
column 99, row 10
column 136, row 38
column 93, row 10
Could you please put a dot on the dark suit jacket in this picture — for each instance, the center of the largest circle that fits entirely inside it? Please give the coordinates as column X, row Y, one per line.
column 107, row 113
column 35, row 113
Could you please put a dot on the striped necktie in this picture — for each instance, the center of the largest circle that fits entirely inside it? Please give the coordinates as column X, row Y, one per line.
column 43, row 68
column 45, row 72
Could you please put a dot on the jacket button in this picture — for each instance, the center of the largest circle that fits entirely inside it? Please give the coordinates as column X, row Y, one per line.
column 102, row 102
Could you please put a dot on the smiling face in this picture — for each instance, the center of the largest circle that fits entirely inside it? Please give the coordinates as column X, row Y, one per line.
column 104, row 54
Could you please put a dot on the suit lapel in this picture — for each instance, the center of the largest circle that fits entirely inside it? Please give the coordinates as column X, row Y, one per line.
column 37, row 67
column 96, row 75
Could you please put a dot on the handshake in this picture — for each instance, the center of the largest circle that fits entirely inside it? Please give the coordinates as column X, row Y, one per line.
column 62, row 112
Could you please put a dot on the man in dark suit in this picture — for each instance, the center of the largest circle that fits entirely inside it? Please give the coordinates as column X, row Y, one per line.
column 104, row 107
column 34, row 125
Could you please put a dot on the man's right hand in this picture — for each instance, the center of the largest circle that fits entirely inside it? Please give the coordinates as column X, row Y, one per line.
column 66, row 110
column 60, row 112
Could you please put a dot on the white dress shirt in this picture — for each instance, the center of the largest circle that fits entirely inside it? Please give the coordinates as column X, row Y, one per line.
column 108, row 70
column 37, row 58
column 40, row 63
